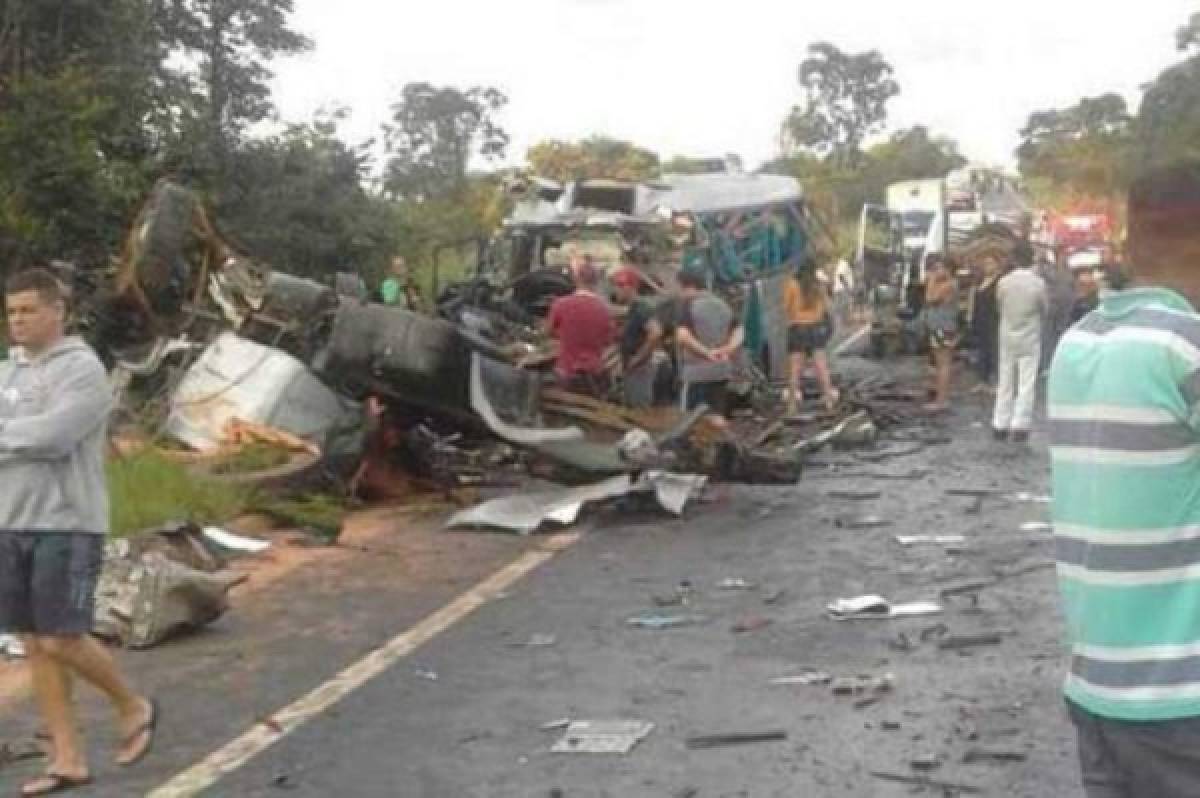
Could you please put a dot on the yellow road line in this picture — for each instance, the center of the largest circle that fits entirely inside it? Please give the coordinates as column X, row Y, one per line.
column 241, row 750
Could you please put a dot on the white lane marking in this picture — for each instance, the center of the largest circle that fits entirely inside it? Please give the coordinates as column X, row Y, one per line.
column 259, row 738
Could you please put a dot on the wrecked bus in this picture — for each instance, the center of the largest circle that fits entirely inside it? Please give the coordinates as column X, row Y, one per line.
column 745, row 231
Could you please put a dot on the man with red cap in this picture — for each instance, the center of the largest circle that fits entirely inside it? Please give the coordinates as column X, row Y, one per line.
column 583, row 326
column 639, row 338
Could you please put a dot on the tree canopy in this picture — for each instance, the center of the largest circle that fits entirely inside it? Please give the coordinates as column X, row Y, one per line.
column 1086, row 145
column 846, row 97
column 597, row 156
column 434, row 135
column 1097, row 146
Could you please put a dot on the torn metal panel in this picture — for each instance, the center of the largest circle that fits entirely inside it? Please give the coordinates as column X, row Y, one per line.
column 481, row 403
column 247, row 381
column 524, row 513
column 158, row 585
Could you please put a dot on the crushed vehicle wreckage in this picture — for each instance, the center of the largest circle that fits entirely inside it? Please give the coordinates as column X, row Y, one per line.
column 214, row 336
column 213, row 346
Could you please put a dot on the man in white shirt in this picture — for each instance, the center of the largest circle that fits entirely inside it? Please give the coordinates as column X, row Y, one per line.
column 1023, row 304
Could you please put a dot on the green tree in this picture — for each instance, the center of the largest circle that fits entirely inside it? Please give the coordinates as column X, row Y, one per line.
column 230, row 44
column 1168, row 122
column 83, row 88
column 598, row 156
column 435, row 134
column 1085, row 147
column 846, row 97
column 299, row 202
column 1188, row 36
column 684, row 165
column 839, row 190
column 912, row 154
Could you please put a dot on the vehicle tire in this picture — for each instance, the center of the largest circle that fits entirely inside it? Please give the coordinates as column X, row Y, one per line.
column 534, row 291
column 157, row 259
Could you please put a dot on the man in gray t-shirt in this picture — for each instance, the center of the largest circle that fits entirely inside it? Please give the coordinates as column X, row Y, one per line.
column 707, row 338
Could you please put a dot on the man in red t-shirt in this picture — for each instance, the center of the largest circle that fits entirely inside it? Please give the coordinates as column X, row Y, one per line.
column 584, row 328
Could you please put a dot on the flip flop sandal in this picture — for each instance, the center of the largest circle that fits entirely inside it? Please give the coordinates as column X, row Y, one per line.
column 54, row 783
column 148, row 728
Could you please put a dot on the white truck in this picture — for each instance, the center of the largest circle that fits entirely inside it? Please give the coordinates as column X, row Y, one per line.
column 893, row 241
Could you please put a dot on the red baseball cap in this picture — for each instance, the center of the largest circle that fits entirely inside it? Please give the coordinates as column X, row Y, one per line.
column 626, row 276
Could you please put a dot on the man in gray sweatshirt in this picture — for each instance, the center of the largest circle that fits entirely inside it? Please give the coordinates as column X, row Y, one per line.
column 54, row 408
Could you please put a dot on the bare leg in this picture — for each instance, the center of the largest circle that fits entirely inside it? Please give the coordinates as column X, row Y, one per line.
column 798, row 362
column 945, row 358
column 86, row 657
column 796, row 369
column 52, row 686
column 821, row 366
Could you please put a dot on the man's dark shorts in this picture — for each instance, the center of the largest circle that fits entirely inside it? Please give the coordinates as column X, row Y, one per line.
column 1124, row 759
column 48, row 582
column 713, row 394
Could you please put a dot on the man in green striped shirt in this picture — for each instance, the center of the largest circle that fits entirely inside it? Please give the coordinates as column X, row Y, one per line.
column 1124, row 410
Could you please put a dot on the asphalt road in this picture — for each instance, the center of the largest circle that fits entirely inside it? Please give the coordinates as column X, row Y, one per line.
column 461, row 716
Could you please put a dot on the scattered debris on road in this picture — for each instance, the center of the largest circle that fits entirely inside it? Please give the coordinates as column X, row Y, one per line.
column 525, row 513
column 664, row 621
column 812, row 677
column 872, row 607
column 602, row 736
column 960, row 642
column 928, row 783
column 705, row 741
column 751, row 624
column 857, row 685
column 862, row 522
column 932, row 540
column 536, row 641
column 994, row 756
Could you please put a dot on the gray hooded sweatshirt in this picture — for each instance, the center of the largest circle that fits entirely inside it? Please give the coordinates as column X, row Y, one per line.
column 54, row 412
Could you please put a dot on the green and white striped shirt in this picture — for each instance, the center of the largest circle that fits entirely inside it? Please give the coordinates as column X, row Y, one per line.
column 1125, row 449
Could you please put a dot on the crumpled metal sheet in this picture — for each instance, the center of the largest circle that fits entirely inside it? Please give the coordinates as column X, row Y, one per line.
column 240, row 379
column 524, row 436
column 158, row 587
column 525, row 513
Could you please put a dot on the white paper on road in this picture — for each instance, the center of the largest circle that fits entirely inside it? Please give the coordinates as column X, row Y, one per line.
column 931, row 540
column 872, row 607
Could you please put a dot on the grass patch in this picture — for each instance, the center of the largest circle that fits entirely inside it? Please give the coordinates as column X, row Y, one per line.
column 318, row 512
column 148, row 490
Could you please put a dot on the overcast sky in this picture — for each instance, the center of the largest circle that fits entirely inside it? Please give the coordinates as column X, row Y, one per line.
column 705, row 78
